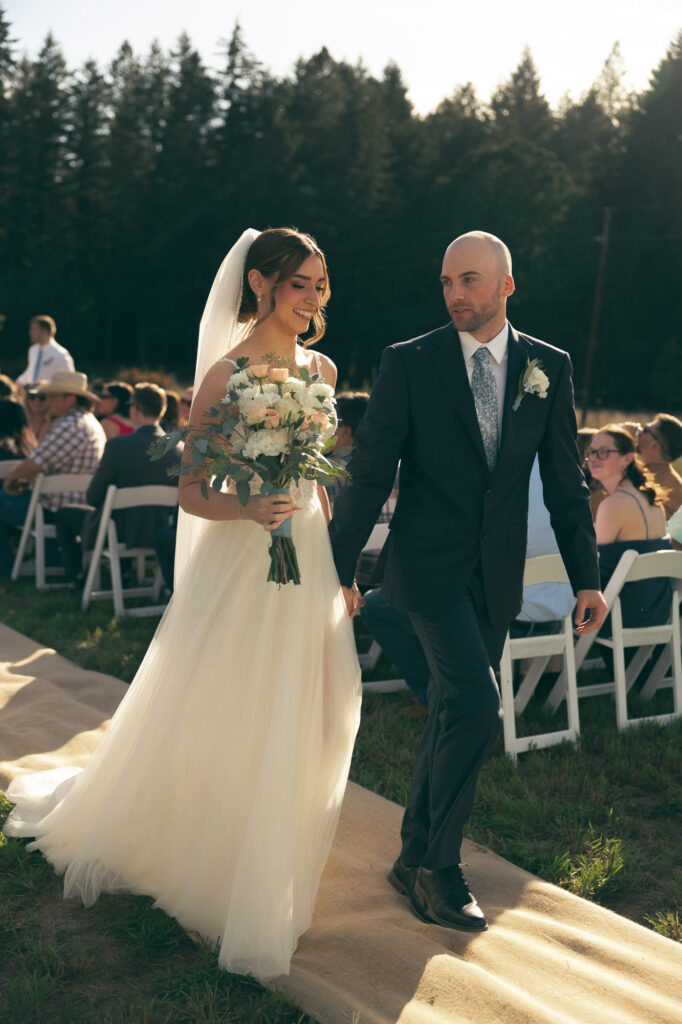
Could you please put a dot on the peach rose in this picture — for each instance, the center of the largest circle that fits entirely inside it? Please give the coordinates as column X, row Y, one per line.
column 259, row 370
column 273, row 418
column 279, row 374
column 320, row 419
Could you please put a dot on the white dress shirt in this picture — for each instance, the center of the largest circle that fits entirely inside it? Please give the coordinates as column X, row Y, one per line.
column 497, row 347
column 44, row 361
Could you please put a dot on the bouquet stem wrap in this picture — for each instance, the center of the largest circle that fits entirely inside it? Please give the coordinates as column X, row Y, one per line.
column 283, row 561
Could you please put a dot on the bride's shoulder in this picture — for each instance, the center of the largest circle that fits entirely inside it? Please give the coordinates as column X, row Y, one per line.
column 326, row 368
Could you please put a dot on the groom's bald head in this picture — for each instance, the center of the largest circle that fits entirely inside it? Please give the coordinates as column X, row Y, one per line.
column 477, row 281
column 486, row 245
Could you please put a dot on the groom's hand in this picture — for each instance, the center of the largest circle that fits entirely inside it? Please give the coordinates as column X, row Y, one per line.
column 590, row 611
column 354, row 600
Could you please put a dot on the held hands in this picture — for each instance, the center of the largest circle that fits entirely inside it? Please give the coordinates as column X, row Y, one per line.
column 592, row 602
column 354, row 601
column 270, row 510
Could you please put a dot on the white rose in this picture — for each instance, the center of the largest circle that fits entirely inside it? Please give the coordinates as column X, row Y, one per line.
column 537, row 382
column 286, row 406
column 255, row 411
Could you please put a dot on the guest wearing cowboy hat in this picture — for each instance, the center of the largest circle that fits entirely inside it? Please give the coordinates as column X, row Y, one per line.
column 73, row 444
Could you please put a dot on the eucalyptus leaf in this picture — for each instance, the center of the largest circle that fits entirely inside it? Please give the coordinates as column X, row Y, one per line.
column 243, row 492
column 266, row 487
column 204, row 487
column 201, row 445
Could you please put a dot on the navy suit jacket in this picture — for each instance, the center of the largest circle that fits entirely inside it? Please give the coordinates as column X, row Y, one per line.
column 126, row 463
column 452, row 512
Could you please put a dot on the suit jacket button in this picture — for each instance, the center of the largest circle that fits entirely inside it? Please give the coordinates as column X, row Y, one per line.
column 488, row 494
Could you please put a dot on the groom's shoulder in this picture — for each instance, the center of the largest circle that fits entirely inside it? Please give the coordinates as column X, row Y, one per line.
column 414, row 345
column 541, row 349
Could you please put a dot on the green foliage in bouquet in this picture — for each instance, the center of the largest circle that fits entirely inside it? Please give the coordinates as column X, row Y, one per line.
column 272, row 427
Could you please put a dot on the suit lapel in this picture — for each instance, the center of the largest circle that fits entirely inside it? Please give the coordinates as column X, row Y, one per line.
column 517, row 353
column 446, row 352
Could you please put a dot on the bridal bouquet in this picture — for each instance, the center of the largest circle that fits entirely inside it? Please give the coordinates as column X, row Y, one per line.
column 271, row 426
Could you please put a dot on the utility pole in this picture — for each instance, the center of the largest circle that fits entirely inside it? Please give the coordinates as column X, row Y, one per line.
column 596, row 313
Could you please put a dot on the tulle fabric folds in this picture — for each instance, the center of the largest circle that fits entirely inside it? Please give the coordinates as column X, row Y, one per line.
column 218, row 784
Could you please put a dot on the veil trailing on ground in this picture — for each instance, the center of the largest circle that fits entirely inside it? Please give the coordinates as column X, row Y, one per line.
column 219, row 333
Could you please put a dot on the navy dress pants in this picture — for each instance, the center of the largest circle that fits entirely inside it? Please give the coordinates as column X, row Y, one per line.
column 462, row 648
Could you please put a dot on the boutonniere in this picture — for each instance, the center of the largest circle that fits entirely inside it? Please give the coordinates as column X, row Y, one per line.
column 533, row 381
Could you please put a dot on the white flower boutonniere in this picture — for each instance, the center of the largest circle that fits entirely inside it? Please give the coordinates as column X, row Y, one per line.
column 533, row 381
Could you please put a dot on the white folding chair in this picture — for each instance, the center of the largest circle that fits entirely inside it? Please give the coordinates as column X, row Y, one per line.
column 35, row 526
column 585, row 643
column 7, row 465
column 539, row 648
column 108, row 546
column 656, row 565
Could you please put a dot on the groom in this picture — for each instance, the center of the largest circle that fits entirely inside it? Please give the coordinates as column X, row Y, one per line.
column 451, row 407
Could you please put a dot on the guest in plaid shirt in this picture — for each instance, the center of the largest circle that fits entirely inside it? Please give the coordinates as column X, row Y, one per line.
column 73, row 444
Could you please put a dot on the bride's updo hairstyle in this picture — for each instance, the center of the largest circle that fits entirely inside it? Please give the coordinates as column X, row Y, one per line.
column 281, row 251
column 636, row 472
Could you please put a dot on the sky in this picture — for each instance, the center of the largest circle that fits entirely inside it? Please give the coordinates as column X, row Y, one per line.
column 438, row 45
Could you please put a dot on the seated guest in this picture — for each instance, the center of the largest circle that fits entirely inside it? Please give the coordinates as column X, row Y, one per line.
column 164, row 544
column 16, row 438
column 114, row 408
column 171, row 417
column 125, row 463
column 597, row 492
column 45, row 355
column 73, row 444
column 37, row 411
column 631, row 517
column 8, row 389
column 185, row 406
column 660, row 444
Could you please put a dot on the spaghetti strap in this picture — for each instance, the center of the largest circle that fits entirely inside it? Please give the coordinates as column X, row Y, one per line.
column 226, row 359
column 317, row 365
column 621, row 490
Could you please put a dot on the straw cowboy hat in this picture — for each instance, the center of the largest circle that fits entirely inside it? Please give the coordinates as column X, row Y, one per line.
column 67, row 382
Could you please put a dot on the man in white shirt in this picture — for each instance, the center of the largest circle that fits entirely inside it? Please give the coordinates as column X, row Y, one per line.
column 45, row 356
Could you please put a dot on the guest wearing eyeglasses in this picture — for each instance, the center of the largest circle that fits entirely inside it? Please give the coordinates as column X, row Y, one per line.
column 114, row 409
column 660, row 444
column 597, row 492
column 38, row 410
column 631, row 517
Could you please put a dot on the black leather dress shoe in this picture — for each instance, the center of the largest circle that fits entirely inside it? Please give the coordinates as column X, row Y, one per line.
column 402, row 877
column 446, row 899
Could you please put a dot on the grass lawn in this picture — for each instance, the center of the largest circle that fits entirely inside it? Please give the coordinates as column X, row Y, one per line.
column 602, row 821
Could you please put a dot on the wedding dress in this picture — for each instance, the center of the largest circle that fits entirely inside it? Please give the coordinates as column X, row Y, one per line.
column 218, row 783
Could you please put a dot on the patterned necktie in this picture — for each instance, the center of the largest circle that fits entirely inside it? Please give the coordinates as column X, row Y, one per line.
column 484, row 390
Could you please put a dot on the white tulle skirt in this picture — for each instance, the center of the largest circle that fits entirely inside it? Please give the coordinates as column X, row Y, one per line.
column 217, row 786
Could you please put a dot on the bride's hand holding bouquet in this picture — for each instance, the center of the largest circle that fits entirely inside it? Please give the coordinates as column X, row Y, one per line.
column 272, row 428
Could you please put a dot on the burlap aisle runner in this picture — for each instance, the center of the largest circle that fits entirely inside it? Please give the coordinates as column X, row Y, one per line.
column 548, row 957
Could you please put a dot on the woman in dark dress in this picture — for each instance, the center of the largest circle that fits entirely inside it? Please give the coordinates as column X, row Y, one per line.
column 631, row 517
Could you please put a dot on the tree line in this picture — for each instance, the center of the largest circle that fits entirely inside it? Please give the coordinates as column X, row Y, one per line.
column 122, row 188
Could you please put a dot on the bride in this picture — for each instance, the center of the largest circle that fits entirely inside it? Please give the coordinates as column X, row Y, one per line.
column 218, row 783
